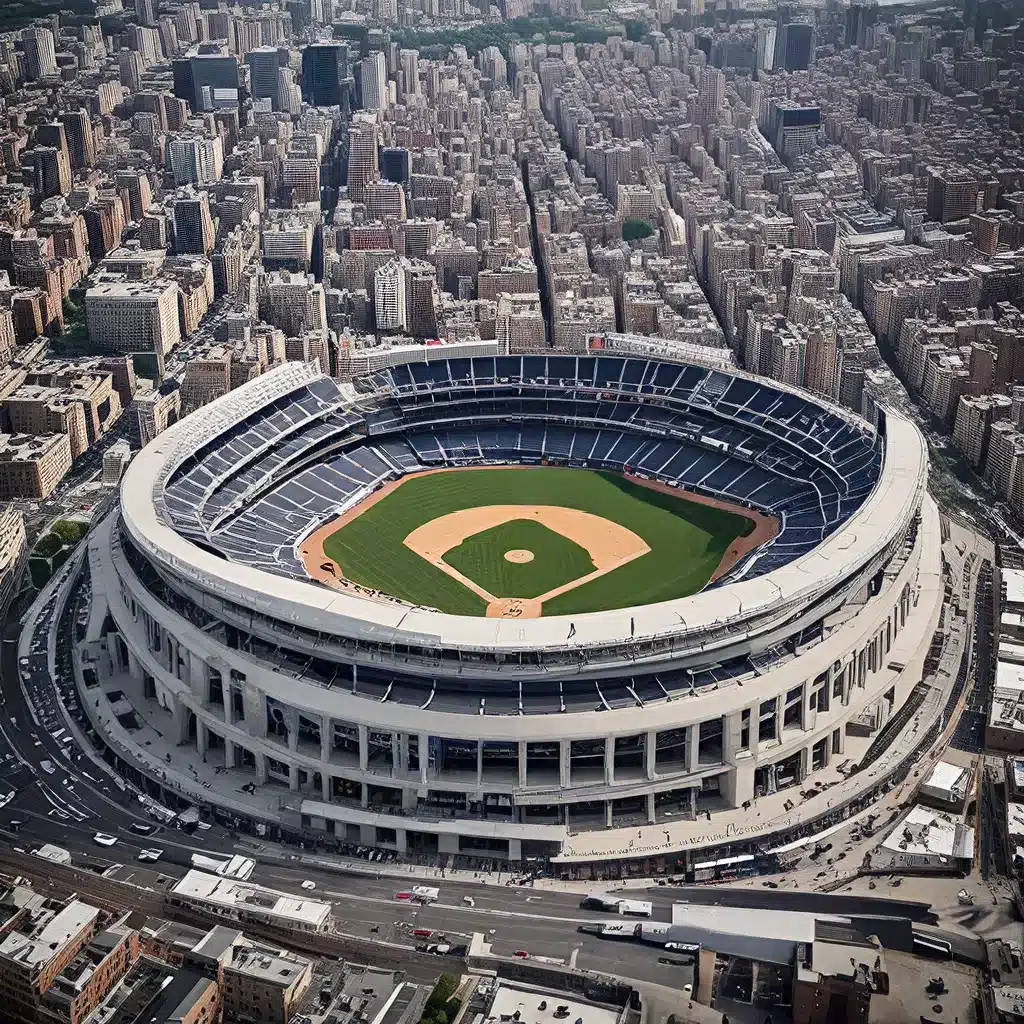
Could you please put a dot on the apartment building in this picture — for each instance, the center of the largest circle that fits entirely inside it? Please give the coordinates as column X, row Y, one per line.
column 36, row 409
column 34, row 955
column 156, row 411
column 519, row 324
column 262, row 985
column 30, row 466
column 134, row 316
column 13, row 553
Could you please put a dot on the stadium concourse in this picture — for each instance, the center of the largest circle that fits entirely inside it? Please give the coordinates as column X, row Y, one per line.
column 658, row 732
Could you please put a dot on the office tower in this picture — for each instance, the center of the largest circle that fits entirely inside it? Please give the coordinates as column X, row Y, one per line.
column 140, row 193
column 324, row 71
column 362, row 155
column 409, row 61
column 373, row 81
column 953, row 194
column 422, row 297
column 53, row 134
column 206, row 80
column 265, row 65
column 130, row 68
column 81, row 140
column 711, row 96
column 46, row 171
column 794, row 47
column 300, row 179
column 860, row 19
column 389, row 296
column 196, row 159
column 394, row 164
column 145, row 42
column 40, row 57
column 193, row 225
column 144, row 13
column 293, row 302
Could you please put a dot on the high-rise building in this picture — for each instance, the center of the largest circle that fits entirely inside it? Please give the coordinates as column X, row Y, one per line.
column 389, row 297
column 794, row 46
column 134, row 316
column 81, row 139
column 193, row 225
column 394, row 164
column 373, row 81
column 144, row 13
column 324, row 72
column 140, row 193
column 46, row 171
column 196, row 159
column 953, row 194
column 362, row 154
column 265, row 65
column 40, row 56
column 206, row 81
column 409, row 62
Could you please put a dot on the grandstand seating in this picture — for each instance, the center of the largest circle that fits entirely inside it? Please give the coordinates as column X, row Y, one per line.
column 253, row 492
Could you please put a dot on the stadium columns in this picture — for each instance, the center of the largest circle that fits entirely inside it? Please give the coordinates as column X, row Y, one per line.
column 609, row 760
column 564, row 763
column 692, row 748
column 479, row 762
column 202, row 737
column 364, row 747
column 396, row 754
column 522, row 762
column 326, row 736
column 650, row 753
column 423, row 747
column 229, row 753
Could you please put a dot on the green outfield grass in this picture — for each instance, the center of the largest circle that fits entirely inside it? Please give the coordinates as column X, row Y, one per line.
column 687, row 540
column 557, row 559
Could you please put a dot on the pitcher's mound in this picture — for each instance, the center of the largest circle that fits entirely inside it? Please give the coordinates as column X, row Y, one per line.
column 519, row 556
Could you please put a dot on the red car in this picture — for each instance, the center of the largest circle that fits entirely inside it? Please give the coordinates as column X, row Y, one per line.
column 521, row 953
column 403, row 895
column 423, row 933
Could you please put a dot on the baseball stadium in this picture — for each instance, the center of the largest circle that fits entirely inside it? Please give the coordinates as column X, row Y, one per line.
column 569, row 608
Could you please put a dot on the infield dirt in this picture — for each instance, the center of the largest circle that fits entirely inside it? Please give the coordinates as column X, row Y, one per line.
column 323, row 568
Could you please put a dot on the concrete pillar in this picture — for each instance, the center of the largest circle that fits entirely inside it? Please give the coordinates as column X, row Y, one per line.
column 692, row 747
column 403, row 753
column 261, row 768
column 693, row 801
column 326, row 737
column 134, row 668
column 651, row 753
column 842, row 738
column 424, row 748
column 364, row 796
column 325, row 787
column 180, row 719
column 515, row 850
column 479, row 762
column 292, row 722
column 651, row 815
column 755, row 726
column 564, row 763
column 229, row 704
column 396, row 754
column 364, row 747
column 409, row 800
column 293, row 777
column 608, row 815
column 229, row 753
column 202, row 737
column 609, row 760
column 401, row 841
column 522, row 763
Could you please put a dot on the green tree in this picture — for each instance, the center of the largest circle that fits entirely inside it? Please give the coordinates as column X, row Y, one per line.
column 634, row 229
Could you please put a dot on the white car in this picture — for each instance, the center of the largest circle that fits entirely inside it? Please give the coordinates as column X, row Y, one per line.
column 103, row 839
column 47, row 767
column 150, row 856
column 308, row 885
column 469, row 901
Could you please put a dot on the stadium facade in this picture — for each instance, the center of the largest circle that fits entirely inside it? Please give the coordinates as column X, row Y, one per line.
column 407, row 728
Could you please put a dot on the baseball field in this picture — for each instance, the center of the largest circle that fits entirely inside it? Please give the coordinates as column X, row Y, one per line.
column 528, row 541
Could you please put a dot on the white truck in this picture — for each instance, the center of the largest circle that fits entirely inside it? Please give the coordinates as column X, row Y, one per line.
column 425, row 893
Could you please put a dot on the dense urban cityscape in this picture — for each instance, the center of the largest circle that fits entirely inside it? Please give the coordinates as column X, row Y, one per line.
column 512, row 512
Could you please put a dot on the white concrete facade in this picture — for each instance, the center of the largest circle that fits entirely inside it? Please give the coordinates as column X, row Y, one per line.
column 404, row 776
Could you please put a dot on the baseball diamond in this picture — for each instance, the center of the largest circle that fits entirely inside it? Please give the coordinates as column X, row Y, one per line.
column 600, row 540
